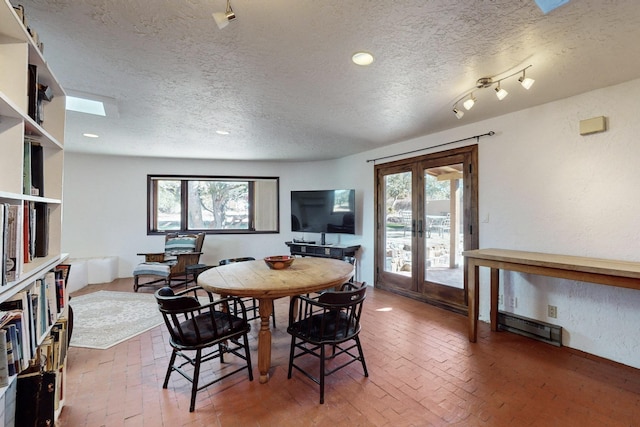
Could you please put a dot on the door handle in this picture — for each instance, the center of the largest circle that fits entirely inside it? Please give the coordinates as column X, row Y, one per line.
column 420, row 228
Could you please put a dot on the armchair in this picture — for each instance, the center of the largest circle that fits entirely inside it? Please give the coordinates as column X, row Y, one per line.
column 180, row 250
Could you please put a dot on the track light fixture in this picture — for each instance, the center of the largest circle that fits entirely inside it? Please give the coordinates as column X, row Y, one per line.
column 468, row 104
column 223, row 19
column 525, row 81
column 487, row 82
column 501, row 93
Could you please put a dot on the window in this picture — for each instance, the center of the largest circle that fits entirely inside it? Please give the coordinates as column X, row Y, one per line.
column 213, row 204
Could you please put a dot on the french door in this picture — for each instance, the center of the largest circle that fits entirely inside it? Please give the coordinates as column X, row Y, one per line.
column 426, row 215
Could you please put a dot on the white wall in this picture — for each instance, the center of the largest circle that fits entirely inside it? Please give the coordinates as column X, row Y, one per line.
column 543, row 187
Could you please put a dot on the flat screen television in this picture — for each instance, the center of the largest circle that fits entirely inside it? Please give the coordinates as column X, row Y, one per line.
column 323, row 211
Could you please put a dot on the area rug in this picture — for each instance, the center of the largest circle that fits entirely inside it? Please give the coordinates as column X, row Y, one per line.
column 105, row 318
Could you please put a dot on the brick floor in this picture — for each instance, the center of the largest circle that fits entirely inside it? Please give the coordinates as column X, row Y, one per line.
column 423, row 371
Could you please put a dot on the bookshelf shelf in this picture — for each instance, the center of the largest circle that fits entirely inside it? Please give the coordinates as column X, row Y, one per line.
column 32, row 123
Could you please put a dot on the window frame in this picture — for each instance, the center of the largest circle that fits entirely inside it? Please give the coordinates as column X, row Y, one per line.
column 184, row 204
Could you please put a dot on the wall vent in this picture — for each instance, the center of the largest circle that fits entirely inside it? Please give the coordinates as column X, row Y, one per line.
column 541, row 331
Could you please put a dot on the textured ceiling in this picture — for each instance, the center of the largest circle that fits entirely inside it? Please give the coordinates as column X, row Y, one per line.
column 279, row 77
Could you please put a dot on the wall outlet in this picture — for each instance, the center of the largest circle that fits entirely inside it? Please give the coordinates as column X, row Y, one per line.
column 552, row 311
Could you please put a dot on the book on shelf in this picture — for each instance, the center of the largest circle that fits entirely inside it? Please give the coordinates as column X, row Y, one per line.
column 32, row 314
column 14, row 241
column 52, row 300
column 41, row 244
column 29, row 232
column 62, row 275
column 19, row 345
column 53, row 349
column 32, row 94
column 26, row 235
column 37, row 168
column 18, row 311
column 61, row 339
column 32, row 231
column 43, row 315
column 4, row 362
column 44, row 306
column 33, row 167
column 26, row 168
column 34, row 298
column 12, row 343
column 4, row 214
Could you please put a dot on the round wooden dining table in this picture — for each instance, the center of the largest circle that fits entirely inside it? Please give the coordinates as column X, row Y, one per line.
column 255, row 279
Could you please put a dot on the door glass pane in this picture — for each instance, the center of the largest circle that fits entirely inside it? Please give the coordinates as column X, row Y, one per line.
column 444, row 238
column 398, row 232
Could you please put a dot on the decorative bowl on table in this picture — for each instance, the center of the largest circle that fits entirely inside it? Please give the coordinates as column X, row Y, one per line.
column 279, row 262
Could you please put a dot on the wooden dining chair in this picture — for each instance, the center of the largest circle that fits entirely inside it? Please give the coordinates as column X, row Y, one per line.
column 209, row 330
column 333, row 319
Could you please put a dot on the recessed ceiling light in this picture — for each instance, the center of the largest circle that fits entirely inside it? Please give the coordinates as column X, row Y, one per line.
column 90, row 135
column 362, row 58
column 222, row 132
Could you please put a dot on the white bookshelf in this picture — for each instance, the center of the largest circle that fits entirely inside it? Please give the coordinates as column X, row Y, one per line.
column 18, row 51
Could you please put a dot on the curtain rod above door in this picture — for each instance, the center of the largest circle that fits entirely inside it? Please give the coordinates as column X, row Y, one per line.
column 477, row 137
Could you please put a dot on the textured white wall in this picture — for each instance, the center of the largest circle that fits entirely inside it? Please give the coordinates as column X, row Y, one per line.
column 105, row 205
column 546, row 188
column 543, row 187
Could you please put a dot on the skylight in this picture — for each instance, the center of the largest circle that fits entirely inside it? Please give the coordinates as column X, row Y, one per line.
column 87, row 106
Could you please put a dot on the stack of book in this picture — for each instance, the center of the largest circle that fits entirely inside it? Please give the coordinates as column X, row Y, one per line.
column 28, row 320
column 24, row 235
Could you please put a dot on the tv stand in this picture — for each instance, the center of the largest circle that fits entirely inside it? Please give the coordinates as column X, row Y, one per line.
column 324, row 251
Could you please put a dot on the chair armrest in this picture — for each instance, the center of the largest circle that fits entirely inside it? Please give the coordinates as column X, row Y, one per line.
column 182, row 253
column 214, row 303
column 152, row 256
column 350, row 286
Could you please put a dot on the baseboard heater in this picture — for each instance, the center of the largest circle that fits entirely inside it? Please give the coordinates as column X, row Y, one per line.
column 541, row 331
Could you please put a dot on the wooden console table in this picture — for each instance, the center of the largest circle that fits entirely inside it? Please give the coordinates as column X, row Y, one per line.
column 622, row 274
column 324, row 251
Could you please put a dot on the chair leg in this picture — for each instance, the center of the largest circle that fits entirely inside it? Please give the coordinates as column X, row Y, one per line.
column 248, row 356
column 135, row 284
column 321, row 374
column 222, row 348
column 364, row 364
column 170, row 368
column 273, row 314
column 196, row 375
column 293, row 347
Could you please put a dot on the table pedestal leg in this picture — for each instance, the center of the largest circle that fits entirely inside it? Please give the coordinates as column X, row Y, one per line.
column 264, row 339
